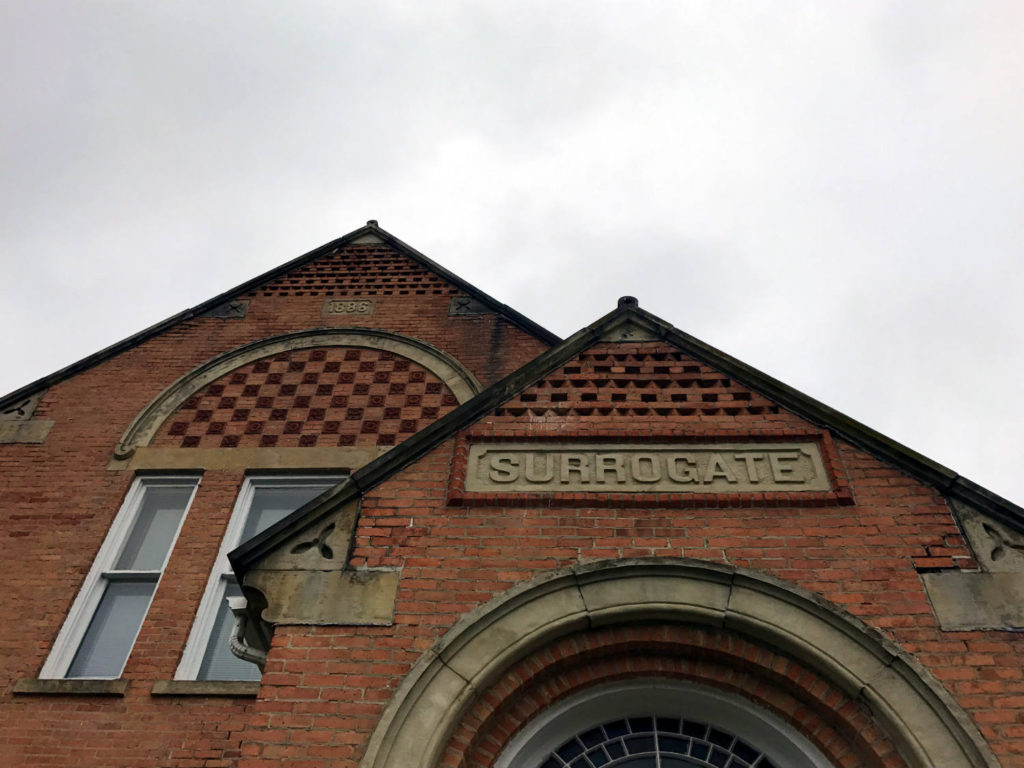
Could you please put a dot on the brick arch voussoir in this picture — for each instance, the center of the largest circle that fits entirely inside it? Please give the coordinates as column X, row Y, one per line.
column 462, row 383
column 836, row 724
column 922, row 720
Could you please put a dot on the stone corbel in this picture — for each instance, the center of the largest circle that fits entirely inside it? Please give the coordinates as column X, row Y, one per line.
column 17, row 424
column 993, row 596
column 308, row 581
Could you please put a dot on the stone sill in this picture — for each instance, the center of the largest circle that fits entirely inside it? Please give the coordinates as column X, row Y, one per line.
column 206, row 688
column 32, row 685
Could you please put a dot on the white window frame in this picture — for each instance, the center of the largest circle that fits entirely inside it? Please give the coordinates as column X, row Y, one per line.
column 213, row 595
column 71, row 634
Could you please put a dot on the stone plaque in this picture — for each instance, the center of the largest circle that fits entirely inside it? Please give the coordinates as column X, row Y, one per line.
column 229, row 309
column 464, row 305
column 348, row 307
column 655, row 468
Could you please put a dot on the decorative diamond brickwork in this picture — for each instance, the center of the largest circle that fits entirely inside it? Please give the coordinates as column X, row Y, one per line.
column 311, row 397
column 642, row 381
column 358, row 270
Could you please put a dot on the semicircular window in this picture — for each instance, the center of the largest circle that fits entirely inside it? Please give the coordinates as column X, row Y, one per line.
column 656, row 742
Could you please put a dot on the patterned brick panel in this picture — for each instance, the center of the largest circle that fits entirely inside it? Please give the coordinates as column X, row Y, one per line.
column 358, row 270
column 335, row 396
column 640, row 381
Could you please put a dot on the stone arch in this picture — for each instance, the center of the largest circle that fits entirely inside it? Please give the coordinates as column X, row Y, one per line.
column 462, row 383
column 922, row 719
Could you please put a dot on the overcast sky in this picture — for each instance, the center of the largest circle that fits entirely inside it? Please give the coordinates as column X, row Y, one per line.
column 833, row 193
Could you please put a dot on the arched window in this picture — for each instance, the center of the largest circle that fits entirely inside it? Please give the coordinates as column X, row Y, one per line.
column 658, row 724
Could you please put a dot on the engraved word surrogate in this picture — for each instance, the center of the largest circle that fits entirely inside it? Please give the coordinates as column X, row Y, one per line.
column 617, row 468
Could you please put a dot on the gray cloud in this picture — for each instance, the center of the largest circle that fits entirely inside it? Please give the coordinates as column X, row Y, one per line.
column 833, row 194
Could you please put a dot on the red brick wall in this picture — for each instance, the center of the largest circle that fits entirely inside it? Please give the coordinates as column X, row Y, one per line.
column 325, row 687
column 58, row 499
column 836, row 724
column 863, row 557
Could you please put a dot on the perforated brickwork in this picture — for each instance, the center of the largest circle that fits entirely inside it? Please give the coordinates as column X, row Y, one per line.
column 333, row 396
column 639, row 380
column 358, row 270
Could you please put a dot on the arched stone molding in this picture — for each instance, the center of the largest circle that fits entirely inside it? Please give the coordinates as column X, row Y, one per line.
column 927, row 725
column 455, row 376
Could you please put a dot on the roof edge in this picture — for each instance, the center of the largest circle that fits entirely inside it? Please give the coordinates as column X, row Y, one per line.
column 84, row 364
column 516, row 318
column 920, row 467
column 930, row 472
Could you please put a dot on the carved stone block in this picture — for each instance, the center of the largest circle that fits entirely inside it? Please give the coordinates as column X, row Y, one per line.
column 348, row 307
column 631, row 468
column 963, row 601
column 229, row 310
column 997, row 548
column 464, row 305
column 23, row 409
column 34, row 431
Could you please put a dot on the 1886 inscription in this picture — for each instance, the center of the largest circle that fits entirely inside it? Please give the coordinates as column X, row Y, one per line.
column 704, row 468
column 348, row 307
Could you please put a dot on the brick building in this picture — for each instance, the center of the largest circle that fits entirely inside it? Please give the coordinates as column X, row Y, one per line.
column 356, row 512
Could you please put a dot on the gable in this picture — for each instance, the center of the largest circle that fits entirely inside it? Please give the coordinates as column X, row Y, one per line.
column 357, row 270
column 644, row 423
column 340, row 283
column 632, row 376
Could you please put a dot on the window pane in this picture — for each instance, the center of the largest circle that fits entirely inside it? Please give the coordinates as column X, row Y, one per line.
column 219, row 663
column 113, row 628
column 154, row 528
column 269, row 505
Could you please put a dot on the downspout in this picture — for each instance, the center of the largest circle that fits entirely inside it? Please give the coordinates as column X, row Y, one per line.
column 239, row 647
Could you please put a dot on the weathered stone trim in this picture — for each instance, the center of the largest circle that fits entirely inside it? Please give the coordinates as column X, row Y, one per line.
column 837, row 493
column 143, row 429
column 338, row 596
column 34, row 431
column 921, row 717
column 962, row 600
column 23, row 410
column 314, row 457
column 33, row 685
column 206, row 688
